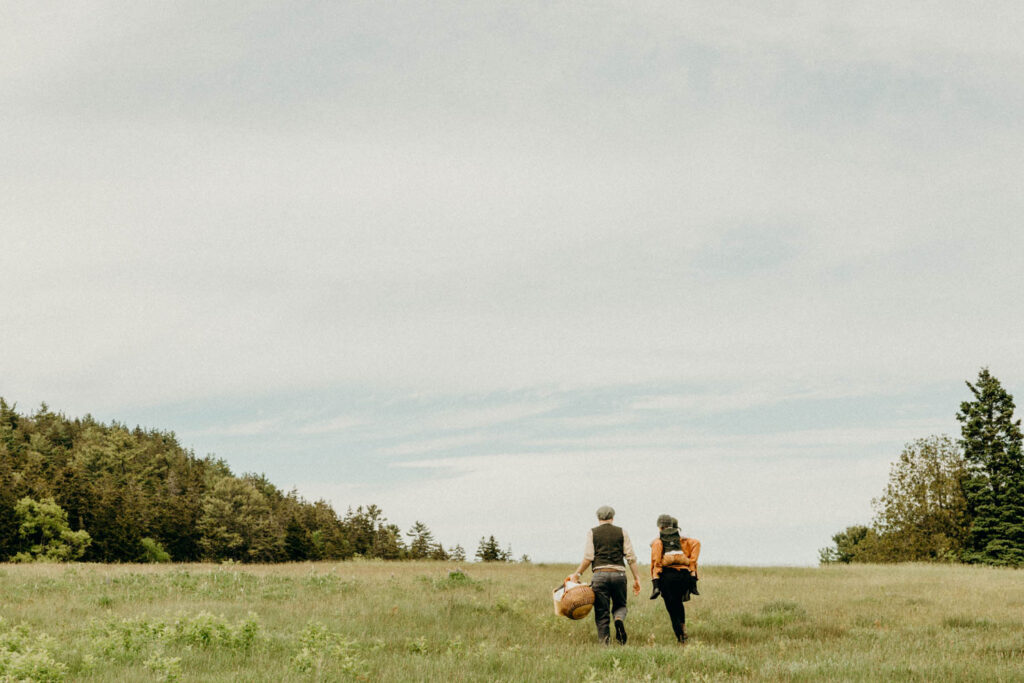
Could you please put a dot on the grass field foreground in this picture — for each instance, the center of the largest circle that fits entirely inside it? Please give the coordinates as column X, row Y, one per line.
column 494, row 622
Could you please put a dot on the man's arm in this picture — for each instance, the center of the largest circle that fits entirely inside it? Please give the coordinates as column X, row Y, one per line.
column 588, row 556
column 636, row 577
column 627, row 549
column 575, row 576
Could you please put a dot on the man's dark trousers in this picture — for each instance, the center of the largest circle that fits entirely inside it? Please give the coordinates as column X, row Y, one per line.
column 608, row 586
column 675, row 588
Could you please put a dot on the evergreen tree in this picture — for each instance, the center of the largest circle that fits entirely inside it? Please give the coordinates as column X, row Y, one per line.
column 994, row 486
column 361, row 528
column 490, row 551
column 457, row 553
column 388, row 544
column 8, row 520
column 328, row 534
column 298, row 543
column 421, row 544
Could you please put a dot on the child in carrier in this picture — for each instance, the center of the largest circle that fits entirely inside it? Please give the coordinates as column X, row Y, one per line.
column 671, row 544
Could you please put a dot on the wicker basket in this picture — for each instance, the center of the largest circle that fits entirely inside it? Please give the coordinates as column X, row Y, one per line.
column 575, row 601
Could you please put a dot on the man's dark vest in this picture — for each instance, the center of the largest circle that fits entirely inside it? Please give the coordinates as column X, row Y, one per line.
column 608, row 545
column 670, row 541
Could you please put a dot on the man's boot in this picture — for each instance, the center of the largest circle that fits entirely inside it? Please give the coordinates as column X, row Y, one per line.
column 657, row 589
column 620, row 632
column 681, row 636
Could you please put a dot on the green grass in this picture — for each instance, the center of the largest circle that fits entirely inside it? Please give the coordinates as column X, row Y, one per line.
column 415, row 621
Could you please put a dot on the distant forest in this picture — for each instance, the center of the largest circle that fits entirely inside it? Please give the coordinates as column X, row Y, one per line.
column 77, row 489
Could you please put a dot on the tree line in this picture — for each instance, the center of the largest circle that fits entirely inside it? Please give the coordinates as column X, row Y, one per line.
column 78, row 489
column 951, row 500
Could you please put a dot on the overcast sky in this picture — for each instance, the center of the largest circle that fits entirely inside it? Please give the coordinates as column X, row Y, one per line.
column 491, row 267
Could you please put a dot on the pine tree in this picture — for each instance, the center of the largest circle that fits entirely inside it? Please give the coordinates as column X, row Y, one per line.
column 297, row 542
column 421, row 544
column 994, row 487
column 490, row 551
column 387, row 543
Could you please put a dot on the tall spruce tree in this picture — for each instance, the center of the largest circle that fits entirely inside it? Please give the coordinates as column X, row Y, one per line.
column 421, row 543
column 994, row 486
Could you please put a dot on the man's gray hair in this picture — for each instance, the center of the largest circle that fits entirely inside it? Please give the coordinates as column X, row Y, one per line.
column 666, row 521
column 605, row 512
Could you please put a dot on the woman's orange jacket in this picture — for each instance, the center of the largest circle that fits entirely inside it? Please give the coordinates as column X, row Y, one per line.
column 688, row 560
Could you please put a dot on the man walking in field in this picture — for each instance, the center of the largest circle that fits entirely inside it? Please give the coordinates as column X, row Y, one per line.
column 608, row 548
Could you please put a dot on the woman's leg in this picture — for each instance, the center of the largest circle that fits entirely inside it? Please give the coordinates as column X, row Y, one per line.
column 672, row 590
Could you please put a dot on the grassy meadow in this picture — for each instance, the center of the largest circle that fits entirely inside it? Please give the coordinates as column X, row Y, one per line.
column 417, row 622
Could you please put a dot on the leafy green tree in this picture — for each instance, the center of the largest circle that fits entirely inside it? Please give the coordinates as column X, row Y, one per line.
column 922, row 514
column 152, row 551
column 854, row 544
column 994, row 487
column 236, row 523
column 45, row 533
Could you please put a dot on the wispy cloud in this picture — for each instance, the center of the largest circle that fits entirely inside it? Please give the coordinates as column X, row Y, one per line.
column 253, row 428
column 340, row 423
column 486, row 416
column 432, row 445
column 703, row 403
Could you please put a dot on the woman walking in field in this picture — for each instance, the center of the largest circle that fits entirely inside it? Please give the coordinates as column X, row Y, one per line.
column 674, row 571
